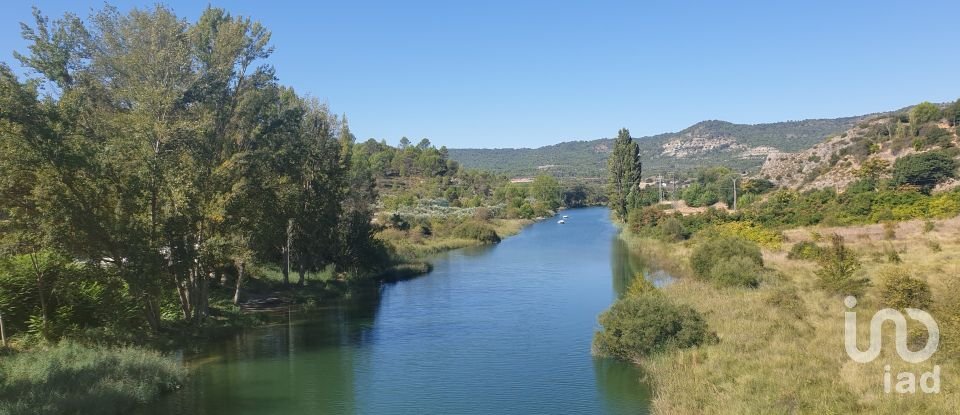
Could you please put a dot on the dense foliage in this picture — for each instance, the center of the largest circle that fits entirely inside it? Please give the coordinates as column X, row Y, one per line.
column 153, row 160
column 624, row 171
column 640, row 325
column 838, row 269
column 728, row 261
column 924, row 170
column 68, row 378
column 899, row 290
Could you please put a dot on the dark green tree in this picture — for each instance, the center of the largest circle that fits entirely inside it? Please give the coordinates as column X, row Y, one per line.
column 624, row 170
column 924, row 170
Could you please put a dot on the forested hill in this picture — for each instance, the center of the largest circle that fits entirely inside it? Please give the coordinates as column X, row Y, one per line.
column 739, row 146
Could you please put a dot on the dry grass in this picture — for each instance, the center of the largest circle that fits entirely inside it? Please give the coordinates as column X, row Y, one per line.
column 776, row 357
column 410, row 246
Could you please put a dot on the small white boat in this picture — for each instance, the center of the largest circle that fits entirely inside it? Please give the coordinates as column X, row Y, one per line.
column 561, row 221
column 565, row 216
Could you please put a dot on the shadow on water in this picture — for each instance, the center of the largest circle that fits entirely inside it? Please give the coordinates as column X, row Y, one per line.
column 302, row 362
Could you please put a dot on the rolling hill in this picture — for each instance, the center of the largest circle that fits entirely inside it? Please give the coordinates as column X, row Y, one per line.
column 740, row 146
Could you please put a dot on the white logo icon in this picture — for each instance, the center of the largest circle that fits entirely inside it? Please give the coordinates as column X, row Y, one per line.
column 907, row 382
column 900, row 323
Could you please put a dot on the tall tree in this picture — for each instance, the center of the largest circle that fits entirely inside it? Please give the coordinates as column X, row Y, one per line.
column 624, row 170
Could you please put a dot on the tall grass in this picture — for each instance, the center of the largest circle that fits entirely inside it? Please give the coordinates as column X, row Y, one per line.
column 781, row 344
column 69, row 378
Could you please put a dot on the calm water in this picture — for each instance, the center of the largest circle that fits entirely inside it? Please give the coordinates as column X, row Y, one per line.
column 500, row 329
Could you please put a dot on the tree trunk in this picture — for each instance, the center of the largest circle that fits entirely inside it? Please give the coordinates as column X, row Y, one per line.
column 41, row 291
column 152, row 313
column 184, row 294
column 286, row 253
column 236, row 292
column 3, row 333
column 303, row 272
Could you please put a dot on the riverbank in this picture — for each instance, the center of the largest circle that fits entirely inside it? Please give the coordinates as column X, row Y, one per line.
column 781, row 344
column 517, row 311
column 68, row 378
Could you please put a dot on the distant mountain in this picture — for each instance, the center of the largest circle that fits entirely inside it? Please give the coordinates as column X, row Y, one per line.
column 740, row 146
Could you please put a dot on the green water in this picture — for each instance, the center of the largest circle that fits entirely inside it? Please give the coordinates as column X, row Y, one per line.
column 493, row 330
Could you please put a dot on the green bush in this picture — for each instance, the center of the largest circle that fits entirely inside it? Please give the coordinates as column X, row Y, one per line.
column 69, row 378
column 641, row 286
column 924, row 112
column 645, row 217
column 722, row 249
column 788, row 301
column 671, row 229
column 838, row 267
column 477, row 230
column 78, row 296
column 738, row 271
column 898, row 290
column 805, row 250
column 924, row 170
column 637, row 326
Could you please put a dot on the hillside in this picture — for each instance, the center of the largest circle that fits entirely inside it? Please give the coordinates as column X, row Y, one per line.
column 739, row 146
column 877, row 141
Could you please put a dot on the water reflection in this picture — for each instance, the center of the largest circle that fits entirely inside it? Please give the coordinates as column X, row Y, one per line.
column 621, row 387
column 505, row 328
column 625, row 265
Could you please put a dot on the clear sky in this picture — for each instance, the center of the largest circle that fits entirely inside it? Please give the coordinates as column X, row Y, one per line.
column 527, row 74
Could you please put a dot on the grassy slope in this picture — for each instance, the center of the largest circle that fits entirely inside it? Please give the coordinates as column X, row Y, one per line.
column 778, row 357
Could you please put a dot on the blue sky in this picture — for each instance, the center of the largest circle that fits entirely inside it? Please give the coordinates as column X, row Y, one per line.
column 527, row 74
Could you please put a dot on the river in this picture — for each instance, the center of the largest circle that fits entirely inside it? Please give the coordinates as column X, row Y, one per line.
column 491, row 330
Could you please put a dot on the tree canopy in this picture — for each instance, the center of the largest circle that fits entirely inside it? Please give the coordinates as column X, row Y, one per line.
column 166, row 152
column 624, row 170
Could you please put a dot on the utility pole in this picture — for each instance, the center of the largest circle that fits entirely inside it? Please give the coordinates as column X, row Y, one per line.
column 734, row 193
column 675, row 197
column 3, row 334
column 660, row 186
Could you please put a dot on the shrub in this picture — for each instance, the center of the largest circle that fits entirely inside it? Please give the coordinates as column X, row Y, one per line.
column 644, row 218
column 641, row 286
column 805, row 250
column 934, row 245
column 929, row 226
column 738, row 271
column 70, row 378
column 898, row 290
column 838, row 266
column 893, row 256
column 924, row 112
column 924, row 170
column 750, row 232
column 787, row 300
column 637, row 326
column 482, row 214
column 672, row 229
column 721, row 249
column 944, row 205
column 938, row 136
column 476, row 230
